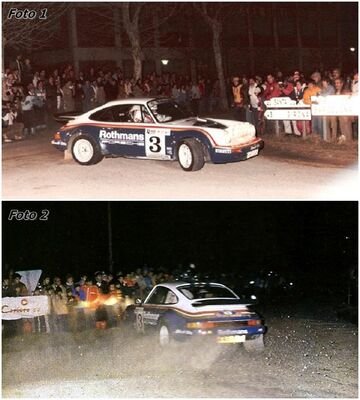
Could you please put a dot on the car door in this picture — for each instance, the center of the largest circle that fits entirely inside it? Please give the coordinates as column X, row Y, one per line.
column 118, row 132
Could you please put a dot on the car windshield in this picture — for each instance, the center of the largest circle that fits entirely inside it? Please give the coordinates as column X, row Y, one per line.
column 205, row 291
column 165, row 110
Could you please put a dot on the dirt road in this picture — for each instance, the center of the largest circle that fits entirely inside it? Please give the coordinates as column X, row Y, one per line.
column 32, row 169
column 305, row 356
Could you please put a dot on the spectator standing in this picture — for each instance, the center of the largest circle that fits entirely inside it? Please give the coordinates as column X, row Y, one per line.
column 345, row 122
column 254, row 92
column 312, row 90
column 89, row 96
column 239, row 99
column 59, row 98
column 60, row 309
column 18, row 287
column 271, row 90
column 68, row 96
column 27, row 107
column 40, row 105
column 287, row 90
column 327, row 89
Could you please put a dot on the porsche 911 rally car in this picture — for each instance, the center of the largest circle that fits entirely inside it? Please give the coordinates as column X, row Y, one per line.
column 180, row 311
column 155, row 128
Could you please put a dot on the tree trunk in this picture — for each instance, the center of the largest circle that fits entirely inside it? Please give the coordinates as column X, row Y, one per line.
column 216, row 30
column 251, row 40
column 136, row 53
column 131, row 26
column 275, row 34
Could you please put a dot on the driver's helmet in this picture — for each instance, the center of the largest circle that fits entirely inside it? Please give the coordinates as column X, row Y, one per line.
column 136, row 114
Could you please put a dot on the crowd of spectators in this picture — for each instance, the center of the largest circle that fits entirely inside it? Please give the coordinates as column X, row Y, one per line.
column 32, row 95
column 80, row 304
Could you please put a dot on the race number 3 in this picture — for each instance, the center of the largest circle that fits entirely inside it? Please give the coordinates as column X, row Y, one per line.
column 155, row 145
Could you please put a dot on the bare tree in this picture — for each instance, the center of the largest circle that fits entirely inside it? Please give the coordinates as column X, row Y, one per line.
column 214, row 15
column 138, row 24
column 30, row 34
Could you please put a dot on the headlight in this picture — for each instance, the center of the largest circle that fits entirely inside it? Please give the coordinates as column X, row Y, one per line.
column 57, row 136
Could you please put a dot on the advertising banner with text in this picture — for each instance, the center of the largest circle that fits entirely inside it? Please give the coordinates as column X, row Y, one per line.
column 24, row 307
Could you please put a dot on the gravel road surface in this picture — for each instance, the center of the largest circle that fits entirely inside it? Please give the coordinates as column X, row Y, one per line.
column 305, row 356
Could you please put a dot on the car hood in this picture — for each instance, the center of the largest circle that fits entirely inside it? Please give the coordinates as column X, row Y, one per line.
column 224, row 131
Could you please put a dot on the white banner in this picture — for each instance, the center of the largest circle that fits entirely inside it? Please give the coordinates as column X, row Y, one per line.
column 24, row 307
column 335, row 105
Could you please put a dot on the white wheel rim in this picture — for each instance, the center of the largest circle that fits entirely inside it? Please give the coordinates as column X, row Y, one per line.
column 164, row 336
column 185, row 155
column 83, row 150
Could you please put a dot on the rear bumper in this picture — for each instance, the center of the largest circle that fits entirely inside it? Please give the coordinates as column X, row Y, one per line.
column 247, row 333
column 237, row 153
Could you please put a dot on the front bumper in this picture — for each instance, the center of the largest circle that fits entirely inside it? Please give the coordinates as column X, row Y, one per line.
column 237, row 153
column 59, row 144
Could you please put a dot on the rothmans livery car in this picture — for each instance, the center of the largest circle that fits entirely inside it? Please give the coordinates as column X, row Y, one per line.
column 180, row 311
column 155, row 128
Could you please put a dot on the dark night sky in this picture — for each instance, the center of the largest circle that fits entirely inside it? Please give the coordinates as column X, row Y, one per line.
column 305, row 239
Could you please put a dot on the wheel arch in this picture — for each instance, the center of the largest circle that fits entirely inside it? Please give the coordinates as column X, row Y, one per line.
column 199, row 136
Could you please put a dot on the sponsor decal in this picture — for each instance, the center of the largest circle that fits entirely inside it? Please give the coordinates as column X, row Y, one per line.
column 151, row 316
column 113, row 136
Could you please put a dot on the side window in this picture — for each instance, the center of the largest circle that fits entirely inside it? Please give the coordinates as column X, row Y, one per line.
column 171, row 298
column 120, row 113
column 104, row 115
column 160, row 296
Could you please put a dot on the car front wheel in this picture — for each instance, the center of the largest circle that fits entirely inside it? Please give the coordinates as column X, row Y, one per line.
column 190, row 155
column 86, row 151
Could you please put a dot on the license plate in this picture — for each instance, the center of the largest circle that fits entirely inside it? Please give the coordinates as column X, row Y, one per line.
column 231, row 339
column 252, row 153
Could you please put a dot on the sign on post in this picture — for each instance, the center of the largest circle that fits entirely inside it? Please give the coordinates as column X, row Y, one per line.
column 283, row 114
column 286, row 109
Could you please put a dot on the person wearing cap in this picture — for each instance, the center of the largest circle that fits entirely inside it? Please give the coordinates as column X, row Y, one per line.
column 18, row 287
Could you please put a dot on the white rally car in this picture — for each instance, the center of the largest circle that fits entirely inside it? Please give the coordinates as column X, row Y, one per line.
column 155, row 128
column 180, row 311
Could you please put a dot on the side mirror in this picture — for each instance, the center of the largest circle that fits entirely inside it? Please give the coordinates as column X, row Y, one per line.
column 138, row 301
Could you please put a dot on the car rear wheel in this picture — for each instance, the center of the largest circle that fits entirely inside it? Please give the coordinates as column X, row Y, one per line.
column 164, row 335
column 86, row 151
column 255, row 345
column 190, row 155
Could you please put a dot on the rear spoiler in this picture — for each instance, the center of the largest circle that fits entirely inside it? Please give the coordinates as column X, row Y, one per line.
column 66, row 117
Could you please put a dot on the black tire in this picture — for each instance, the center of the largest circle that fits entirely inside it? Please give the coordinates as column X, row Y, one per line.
column 255, row 345
column 85, row 150
column 190, row 155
